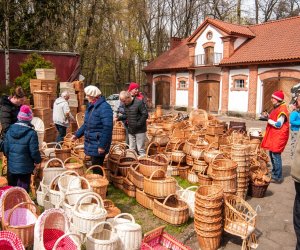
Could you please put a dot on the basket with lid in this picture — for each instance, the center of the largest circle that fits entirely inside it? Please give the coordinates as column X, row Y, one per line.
column 128, row 230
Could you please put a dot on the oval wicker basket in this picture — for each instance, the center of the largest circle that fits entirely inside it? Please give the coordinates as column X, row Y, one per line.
column 98, row 183
column 224, row 167
column 119, row 132
column 148, row 165
column 172, row 210
column 159, row 188
column 135, row 176
column 52, row 169
column 144, row 200
column 75, row 165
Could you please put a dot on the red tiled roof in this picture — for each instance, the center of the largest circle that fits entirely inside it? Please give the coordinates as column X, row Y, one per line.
column 176, row 58
column 274, row 41
column 229, row 28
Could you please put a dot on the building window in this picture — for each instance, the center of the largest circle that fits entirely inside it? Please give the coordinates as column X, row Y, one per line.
column 239, row 83
column 182, row 83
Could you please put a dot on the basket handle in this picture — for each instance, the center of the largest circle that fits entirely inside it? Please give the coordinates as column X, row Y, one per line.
column 64, row 236
column 158, row 132
column 96, row 166
column 77, row 160
column 81, row 179
column 149, row 146
column 54, row 159
column 210, row 145
column 188, row 188
column 124, row 215
column 159, row 170
column 69, row 172
column 18, row 205
column 170, row 195
column 94, row 195
column 118, row 124
column 121, row 146
column 162, row 155
column 100, row 224
column 52, row 183
column 216, row 157
column 133, row 152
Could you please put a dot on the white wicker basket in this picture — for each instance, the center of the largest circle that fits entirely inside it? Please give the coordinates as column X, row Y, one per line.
column 72, row 195
column 50, row 173
column 189, row 197
column 66, row 178
column 56, row 196
column 107, row 239
column 86, row 214
column 129, row 232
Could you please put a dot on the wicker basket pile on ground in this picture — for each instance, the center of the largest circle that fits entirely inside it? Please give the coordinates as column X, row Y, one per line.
column 208, row 216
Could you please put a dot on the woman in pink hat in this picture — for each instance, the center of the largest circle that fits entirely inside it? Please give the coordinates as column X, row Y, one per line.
column 277, row 134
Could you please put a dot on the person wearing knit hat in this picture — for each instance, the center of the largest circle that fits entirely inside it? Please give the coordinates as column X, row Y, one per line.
column 21, row 148
column 277, row 134
column 97, row 127
column 133, row 89
column 25, row 114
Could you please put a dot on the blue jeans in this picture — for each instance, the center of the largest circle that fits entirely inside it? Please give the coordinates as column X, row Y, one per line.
column 62, row 131
column 276, row 165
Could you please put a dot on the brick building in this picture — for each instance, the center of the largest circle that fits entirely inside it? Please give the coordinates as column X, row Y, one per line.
column 228, row 68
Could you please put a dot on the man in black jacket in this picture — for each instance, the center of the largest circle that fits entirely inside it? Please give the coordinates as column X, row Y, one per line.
column 136, row 114
column 9, row 109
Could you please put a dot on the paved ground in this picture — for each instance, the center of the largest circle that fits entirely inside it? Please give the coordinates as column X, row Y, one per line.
column 275, row 220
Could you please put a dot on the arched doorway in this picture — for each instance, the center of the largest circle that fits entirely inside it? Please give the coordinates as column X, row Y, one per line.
column 162, row 91
column 208, row 92
column 278, row 80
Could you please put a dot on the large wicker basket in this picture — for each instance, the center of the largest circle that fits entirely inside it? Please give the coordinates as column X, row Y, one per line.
column 119, row 132
column 148, row 165
column 159, row 188
column 172, row 210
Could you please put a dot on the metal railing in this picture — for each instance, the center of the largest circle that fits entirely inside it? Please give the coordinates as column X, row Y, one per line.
column 203, row 60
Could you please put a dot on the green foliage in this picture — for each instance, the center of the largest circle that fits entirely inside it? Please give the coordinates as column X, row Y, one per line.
column 33, row 61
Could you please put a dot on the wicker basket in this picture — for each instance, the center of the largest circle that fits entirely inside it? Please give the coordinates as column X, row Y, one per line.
column 117, row 181
column 224, row 167
column 257, row 191
column 198, row 150
column 135, row 176
column 130, row 233
column 172, row 210
column 153, row 148
column 87, row 215
column 209, row 240
column 107, row 239
column 98, row 183
column 160, row 137
column 111, row 209
column 52, row 168
column 192, row 176
column 119, row 132
column 72, row 195
column 183, row 172
column 159, row 188
column 124, row 162
column 148, row 165
column 75, row 165
column 144, row 200
column 128, row 187
column 63, row 153
column 210, row 196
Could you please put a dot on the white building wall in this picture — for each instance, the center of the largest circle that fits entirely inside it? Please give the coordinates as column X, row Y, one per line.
column 218, row 48
column 182, row 96
column 238, row 42
column 238, row 100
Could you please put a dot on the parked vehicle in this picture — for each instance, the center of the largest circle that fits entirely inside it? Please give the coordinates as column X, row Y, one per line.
column 113, row 101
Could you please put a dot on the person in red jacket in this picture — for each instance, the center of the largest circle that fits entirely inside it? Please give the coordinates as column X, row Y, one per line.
column 277, row 134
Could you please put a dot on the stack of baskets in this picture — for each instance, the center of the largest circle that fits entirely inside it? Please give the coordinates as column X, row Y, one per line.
column 240, row 154
column 224, row 174
column 208, row 216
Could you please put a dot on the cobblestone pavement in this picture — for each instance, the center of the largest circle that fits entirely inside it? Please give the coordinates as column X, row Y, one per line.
column 275, row 219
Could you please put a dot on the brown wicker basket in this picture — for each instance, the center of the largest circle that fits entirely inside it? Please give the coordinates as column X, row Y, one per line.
column 98, row 183
column 117, row 181
column 257, row 191
column 119, row 132
column 135, row 176
column 159, row 188
column 204, row 179
column 63, row 153
column 144, row 200
column 128, row 187
column 223, row 167
column 148, row 165
column 209, row 240
column 75, row 164
column 172, row 210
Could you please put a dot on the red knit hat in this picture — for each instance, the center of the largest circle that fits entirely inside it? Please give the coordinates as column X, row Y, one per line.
column 278, row 95
column 133, row 85
column 25, row 113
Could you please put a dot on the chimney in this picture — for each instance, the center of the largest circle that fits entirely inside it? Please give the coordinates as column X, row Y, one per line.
column 174, row 42
column 228, row 46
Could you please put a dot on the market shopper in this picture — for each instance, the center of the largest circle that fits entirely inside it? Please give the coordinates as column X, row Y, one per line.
column 277, row 134
column 21, row 148
column 136, row 115
column 10, row 107
column 97, row 127
column 62, row 115
column 295, row 124
column 133, row 89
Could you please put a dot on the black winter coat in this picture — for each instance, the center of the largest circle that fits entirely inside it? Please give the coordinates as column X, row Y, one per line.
column 8, row 113
column 136, row 115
